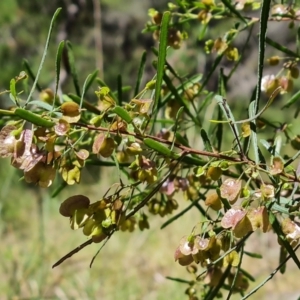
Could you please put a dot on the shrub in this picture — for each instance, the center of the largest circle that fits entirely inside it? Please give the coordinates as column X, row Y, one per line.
column 241, row 174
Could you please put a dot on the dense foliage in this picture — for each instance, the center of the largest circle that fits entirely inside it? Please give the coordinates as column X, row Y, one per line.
column 176, row 137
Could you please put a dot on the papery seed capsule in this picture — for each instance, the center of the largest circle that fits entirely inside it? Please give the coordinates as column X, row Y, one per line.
column 107, row 147
column 274, row 60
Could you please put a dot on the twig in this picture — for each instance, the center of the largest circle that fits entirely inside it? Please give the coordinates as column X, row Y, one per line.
column 98, row 37
column 185, row 149
column 71, row 253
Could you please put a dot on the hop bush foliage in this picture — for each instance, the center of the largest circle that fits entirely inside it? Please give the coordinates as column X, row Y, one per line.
column 242, row 177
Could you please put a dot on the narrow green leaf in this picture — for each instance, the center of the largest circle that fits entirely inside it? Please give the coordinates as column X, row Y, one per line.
column 266, row 144
column 219, row 130
column 206, row 141
column 263, row 23
column 212, row 294
column 292, row 159
column 253, row 255
column 292, row 100
column 254, row 105
column 178, row 115
column 206, row 101
column 194, row 79
column 33, row 118
column 120, row 91
column 59, row 189
column 59, row 53
column 87, row 80
column 42, row 104
column 140, row 73
column 180, row 214
column 12, row 89
column 262, row 159
column 71, row 60
column 235, row 277
column 176, row 95
column 160, row 148
column 228, row 114
column 280, row 208
column 181, row 140
column 222, row 92
column 211, row 70
column 163, row 37
column 91, row 79
column 122, row 113
column 253, row 134
column 193, row 161
column 44, row 54
column 178, row 280
column 298, row 46
column 222, row 83
column 202, row 31
column 281, row 48
column 234, row 11
column 247, row 275
column 282, row 258
column 30, row 74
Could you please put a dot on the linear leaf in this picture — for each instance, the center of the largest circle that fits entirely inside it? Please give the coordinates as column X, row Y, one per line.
column 42, row 104
column 84, row 90
column 174, row 218
column 281, row 47
column 254, row 255
column 177, row 97
column 57, row 66
column 207, row 144
column 33, row 118
column 120, row 91
column 292, row 100
column 122, row 113
column 12, row 89
column 90, row 80
column 263, row 23
column 44, row 55
column 195, row 79
column 162, row 53
column 71, row 59
column 30, row 73
column 211, row 70
column 178, row 280
column 160, row 148
column 140, row 73
column 234, row 11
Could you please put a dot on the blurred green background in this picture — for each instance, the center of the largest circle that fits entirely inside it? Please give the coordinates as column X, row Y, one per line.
column 33, row 234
